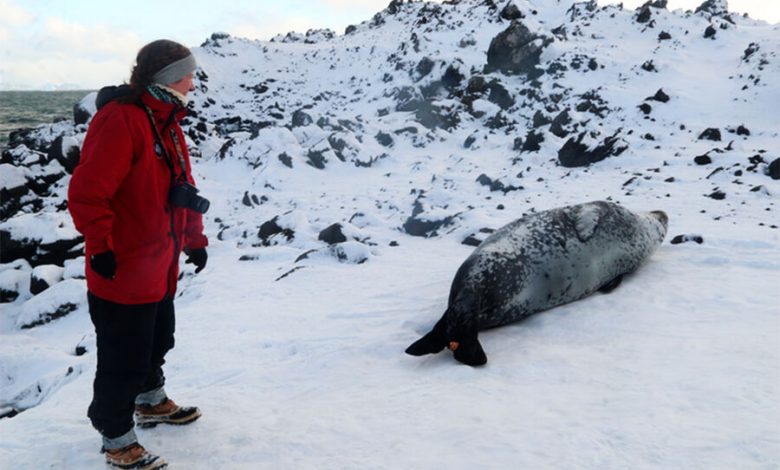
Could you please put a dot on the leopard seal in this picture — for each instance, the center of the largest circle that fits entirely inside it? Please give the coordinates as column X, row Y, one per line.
column 537, row 262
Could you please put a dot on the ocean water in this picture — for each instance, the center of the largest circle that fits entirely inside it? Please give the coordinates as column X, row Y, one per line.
column 21, row 109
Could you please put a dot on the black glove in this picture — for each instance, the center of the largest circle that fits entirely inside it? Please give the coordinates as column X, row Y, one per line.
column 104, row 264
column 198, row 257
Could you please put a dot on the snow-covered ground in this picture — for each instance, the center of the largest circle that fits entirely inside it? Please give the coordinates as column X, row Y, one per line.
column 293, row 348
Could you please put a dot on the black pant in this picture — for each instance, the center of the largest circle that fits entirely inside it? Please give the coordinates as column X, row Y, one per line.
column 132, row 341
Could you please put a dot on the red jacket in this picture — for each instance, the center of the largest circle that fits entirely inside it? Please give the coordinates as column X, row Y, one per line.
column 118, row 198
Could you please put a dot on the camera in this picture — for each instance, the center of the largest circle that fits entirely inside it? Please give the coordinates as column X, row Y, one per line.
column 184, row 194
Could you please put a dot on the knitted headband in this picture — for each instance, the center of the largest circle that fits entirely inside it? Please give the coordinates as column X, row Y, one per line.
column 175, row 71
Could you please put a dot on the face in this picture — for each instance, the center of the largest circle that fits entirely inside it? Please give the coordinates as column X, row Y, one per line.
column 184, row 85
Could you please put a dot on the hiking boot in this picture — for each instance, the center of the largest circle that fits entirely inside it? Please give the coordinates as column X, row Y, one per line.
column 134, row 457
column 166, row 412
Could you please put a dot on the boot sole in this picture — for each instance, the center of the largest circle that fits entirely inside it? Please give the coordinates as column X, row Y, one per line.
column 147, row 423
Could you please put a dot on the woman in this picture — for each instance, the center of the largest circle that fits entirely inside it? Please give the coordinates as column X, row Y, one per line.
column 132, row 196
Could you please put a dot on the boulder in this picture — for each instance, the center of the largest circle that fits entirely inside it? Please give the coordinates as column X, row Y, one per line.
column 45, row 276
column 85, row 109
column 774, row 169
column 332, row 235
column 516, row 50
column 576, row 153
column 66, row 151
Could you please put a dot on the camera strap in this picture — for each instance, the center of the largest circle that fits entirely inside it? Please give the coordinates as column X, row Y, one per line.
column 176, row 143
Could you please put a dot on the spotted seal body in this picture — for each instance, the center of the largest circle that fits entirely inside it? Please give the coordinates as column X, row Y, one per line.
column 537, row 262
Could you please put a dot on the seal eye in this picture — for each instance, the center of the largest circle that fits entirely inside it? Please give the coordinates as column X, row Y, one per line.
column 453, row 346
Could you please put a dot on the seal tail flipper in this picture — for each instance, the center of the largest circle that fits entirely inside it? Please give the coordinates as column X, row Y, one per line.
column 433, row 342
column 469, row 351
column 611, row 285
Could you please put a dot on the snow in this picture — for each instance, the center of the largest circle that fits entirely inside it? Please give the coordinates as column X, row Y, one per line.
column 11, row 177
column 293, row 348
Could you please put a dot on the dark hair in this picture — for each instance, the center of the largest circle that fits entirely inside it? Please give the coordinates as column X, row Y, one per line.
column 152, row 58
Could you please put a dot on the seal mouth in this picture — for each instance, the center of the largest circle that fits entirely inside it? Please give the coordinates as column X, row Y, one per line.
column 662, row 217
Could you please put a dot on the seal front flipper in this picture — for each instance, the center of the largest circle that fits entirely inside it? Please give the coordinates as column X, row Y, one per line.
column 611, row 285
column 433, row 342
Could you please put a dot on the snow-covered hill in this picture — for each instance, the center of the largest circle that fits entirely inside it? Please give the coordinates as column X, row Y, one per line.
column 350, row 175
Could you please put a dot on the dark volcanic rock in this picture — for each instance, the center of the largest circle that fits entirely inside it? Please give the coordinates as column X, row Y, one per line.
column 540, row 119
column 511, row 12
column 384, row 139
column 664, row 36
column 710, row 32
column 424, row 67
column 37, row 253
column 332, row 235
column 532, row 141
column 710, row 134
column 417, row 227
column 495, row 185
column 718, row 195
column 644, row 14
column 774, row 169
column 660, row 96
column 687, row 238
column 559, row 124
column 516, row 50
column 47, row 317
column 575, row 154
column 703, row 159
column 300, row 119
column 452, row 78
column 713, row 7
column 80, row 114
column 271, row 228
column 499, row 95
column 66, row 151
